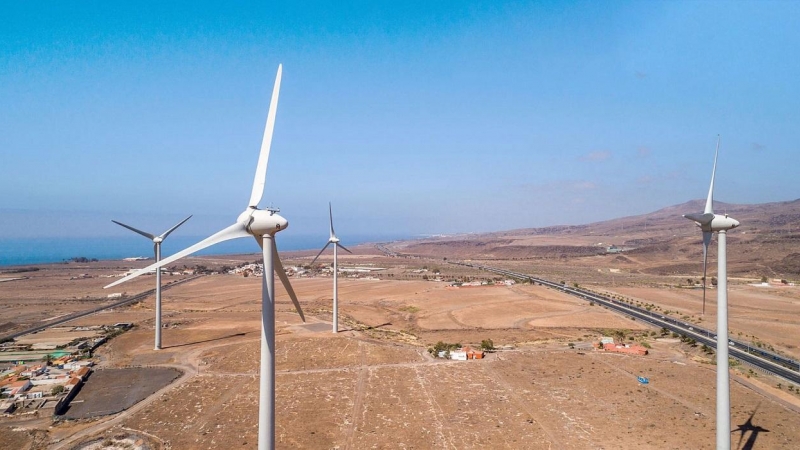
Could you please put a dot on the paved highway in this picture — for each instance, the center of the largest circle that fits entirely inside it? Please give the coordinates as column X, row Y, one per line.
column 768, row 361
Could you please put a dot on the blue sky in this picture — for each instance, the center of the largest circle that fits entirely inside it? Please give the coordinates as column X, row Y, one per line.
column 411, row 117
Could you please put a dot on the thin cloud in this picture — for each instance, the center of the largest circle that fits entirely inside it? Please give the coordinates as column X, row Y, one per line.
column 559, row 186
column 584, row 186
column 669, row 177
column 596, row 156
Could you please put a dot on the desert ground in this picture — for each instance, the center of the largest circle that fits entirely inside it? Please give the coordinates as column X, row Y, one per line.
column 375, row 385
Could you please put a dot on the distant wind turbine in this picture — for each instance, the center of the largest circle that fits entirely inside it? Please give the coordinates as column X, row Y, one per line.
column 157, row 240
column 263, row 225
column 710, row 223
column 335, row 241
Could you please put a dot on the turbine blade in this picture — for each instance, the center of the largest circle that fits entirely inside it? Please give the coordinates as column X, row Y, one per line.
column 343, row 248
column 276, row 261
column 145, row 234
column 263, row 157
column 166, row 233
column 710, row 200
column 330, row 213
column 702, row 219
column 237, row 230
column 706, row 242
column 320, row 252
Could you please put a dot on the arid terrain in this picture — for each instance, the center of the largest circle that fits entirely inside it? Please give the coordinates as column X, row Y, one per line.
column 375, row 385
column 661, row 243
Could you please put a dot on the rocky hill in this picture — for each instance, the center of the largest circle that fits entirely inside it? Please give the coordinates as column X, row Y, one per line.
column 662, row 242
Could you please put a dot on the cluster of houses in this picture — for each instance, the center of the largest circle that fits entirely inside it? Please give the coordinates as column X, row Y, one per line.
column 23, row 384
column 607, row 344
column 462, row 354
column 247, row 270
column 255, row 270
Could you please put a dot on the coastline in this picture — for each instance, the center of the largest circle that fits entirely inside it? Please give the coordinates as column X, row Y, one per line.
column 16, row 252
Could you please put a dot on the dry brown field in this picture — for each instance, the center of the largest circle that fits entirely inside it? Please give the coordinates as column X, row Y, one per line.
column 56, row 335
column 374, row 385
column 57, row 290
column 756, row 314
column 769, row 315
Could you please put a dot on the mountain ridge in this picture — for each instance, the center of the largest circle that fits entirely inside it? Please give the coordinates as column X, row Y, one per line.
column 767, row 242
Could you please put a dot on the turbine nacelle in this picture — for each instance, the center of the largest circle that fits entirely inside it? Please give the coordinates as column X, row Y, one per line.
column 332, row 239
column 721, row 223
column 262, row 222
column 713, row 222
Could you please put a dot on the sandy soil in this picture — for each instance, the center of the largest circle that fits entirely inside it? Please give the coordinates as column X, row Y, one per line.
column 58, row 336
column 756, row 314
column 374, row 385
column 56, row 290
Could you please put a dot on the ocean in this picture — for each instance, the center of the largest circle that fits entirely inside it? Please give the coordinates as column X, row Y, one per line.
column 25, row 251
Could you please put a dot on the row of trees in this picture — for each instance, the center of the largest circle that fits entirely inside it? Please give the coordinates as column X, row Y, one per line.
column 81, row 259
column 441, row 346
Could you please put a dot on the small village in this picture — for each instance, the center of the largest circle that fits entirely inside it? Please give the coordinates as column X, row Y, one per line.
column 41, row 373
column 41, row 388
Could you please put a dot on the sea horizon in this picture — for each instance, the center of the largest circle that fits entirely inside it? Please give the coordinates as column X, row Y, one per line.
column 48, row 250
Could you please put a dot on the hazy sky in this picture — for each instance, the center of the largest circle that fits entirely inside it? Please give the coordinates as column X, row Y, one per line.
column 411, row 117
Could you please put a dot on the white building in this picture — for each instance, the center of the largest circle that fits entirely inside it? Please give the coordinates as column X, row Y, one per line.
column 458, row 355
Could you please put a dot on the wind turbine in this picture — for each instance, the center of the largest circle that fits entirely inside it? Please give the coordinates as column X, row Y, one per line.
column 710, row 223
column 262, row 224
column 157, row 240
column 335, row 241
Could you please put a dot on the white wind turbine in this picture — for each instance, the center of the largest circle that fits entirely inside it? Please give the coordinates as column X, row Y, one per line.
column 710, row 223
column 335, row 241
column 263, row 225
column 157, row 240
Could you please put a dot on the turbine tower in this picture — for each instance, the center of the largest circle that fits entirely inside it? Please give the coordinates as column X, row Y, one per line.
column 262, row 224
column 157, row 240
column 335, row 241
column 710, row 223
